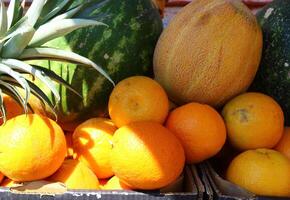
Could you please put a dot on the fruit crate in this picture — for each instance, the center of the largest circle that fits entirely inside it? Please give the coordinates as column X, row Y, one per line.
column 221, row 189
column 187, row 187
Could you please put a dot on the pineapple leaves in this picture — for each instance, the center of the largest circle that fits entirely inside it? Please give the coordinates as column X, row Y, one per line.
column 50, row 10
column 67, row 14
column 34, row 12
column 16, row 44
column 22, row 66
column 4, row 69
column 36, row 91
column 57, row 79
column 57, row 54
column 55, row 29
column 2, row 107
column 13, row 92
column 14, row 12
column 3, row 19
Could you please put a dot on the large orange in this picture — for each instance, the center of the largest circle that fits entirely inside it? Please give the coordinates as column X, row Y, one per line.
column 138, row 98
column 284, row 144
column 263, row 171
column 253, row 120
column 76, row 175
column 200, row 129
column 146, row 155
column 92, row 144
column 32, row 147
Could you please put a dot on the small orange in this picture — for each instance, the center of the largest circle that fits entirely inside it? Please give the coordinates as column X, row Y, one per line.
column 115, row 184
column 93, row 143
column 200, row 129
column 76, row 175
column 1, row 177
column 13, row 109
column 69, row 144
column 283, row 145
column 32, row 147
column 253, row 120
column 8, row 183
column 102, row 183
column 138, row 98
column 262, row 171
column 146, row 155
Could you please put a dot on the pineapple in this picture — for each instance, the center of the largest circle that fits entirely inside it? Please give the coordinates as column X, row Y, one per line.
column 21, row 39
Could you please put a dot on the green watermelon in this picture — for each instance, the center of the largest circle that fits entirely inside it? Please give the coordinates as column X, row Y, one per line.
column 123, row 49
column 273, row 77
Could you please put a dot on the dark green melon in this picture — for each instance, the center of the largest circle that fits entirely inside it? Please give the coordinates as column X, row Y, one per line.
column 124, row 49
column 273, row 77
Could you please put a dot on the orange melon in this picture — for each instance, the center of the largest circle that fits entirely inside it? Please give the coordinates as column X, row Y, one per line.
column 209, row 52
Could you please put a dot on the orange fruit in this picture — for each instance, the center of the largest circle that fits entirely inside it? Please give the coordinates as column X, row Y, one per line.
column 146, row 155
column 115, row 184
column 253, row 120
column 69, row 145
column 262, row 171
column 102, row 183
column 1, row 177
column 200, row 129
column 138, row 98
column 32, row 147
column 283, row 145
column 93, row 143
column 76, row 175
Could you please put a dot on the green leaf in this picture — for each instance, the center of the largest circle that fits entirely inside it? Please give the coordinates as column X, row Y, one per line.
column 16, row 44
column 68, row 14
column 3, row 19
column 57, row 54
column 14, row 12
column 16, row 64
column 34, row 12
column 50, row 10
column 55, row 29
column 4, row 69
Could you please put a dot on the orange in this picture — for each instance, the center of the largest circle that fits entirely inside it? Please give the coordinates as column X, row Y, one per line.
column 76, row 175
column 283, row 145
column 115, row 184
column 102, row 183
column 138, row 98
column 69, row 144
column 262, row 171
column 92, row 143
column 146, row 155
column 1, row 177
column 32, row 147
column 253, row 120
column 200, row 129
column 12, row 108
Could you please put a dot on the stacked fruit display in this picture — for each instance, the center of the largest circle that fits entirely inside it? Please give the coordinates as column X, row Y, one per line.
column 140, row 133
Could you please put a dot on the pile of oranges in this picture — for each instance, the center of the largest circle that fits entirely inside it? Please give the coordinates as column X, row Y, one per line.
column 146, row 141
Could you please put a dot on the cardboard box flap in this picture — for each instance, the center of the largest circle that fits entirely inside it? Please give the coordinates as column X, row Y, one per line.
column 39, row 187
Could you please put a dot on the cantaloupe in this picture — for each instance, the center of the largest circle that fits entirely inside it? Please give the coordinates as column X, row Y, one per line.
column 209, row 52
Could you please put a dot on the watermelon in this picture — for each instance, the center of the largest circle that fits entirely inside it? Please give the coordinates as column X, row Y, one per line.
column 124, row 48
column 273, row 77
